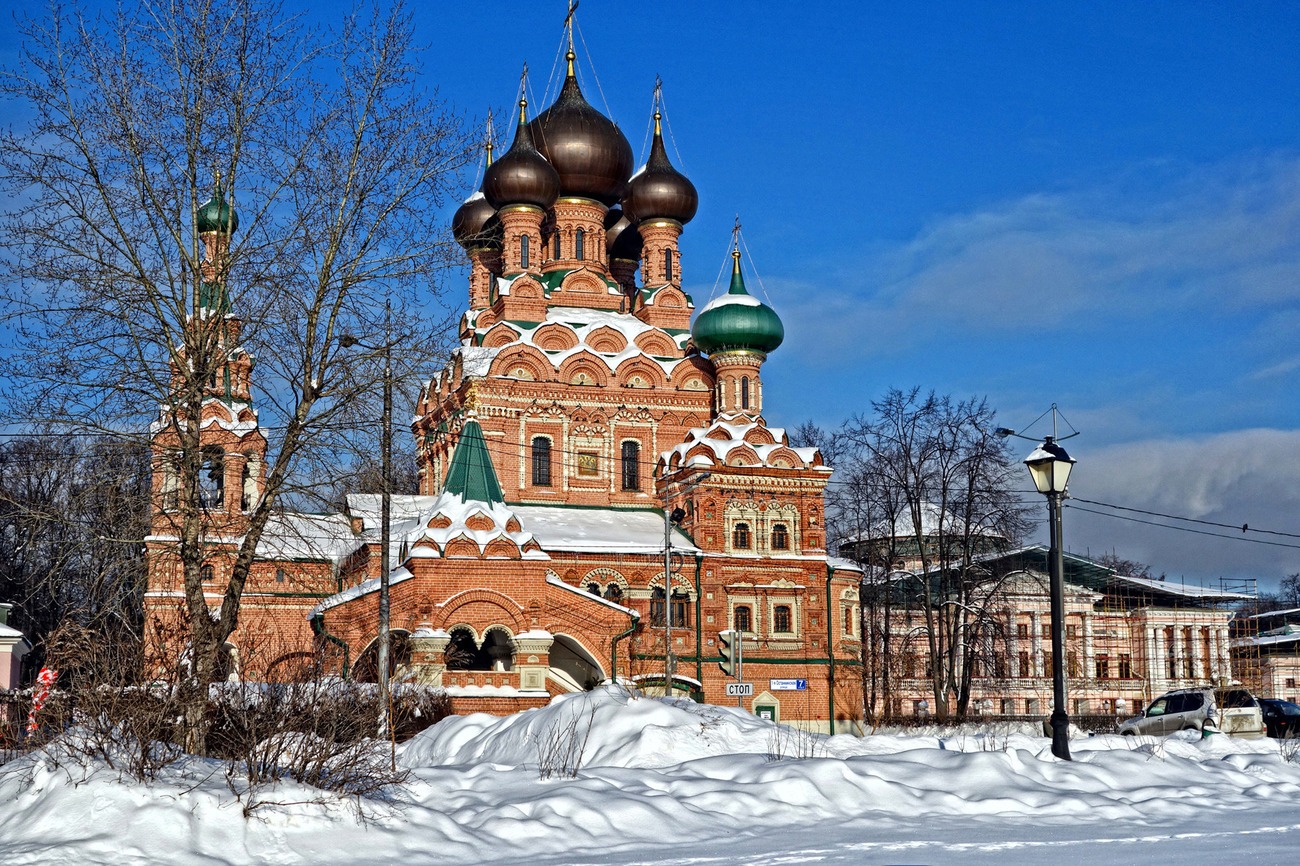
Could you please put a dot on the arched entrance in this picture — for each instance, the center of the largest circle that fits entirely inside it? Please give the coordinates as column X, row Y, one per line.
column 573, row 666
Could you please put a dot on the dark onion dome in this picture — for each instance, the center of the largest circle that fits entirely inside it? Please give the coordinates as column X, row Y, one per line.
column 592, row 156
column 471, row 223
column 522, row 175
column 216, row 215
column 622, row 240
column 737, row 320
column 659, row 191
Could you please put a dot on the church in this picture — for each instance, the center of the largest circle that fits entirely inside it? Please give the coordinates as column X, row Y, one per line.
column 600, row 492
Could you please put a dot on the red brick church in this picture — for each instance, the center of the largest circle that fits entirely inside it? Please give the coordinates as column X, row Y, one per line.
column 580, row 407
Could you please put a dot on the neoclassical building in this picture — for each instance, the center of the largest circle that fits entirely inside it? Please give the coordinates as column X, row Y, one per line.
column 598, row 482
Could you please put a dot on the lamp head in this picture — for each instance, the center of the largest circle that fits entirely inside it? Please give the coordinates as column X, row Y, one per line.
column 1050, row 465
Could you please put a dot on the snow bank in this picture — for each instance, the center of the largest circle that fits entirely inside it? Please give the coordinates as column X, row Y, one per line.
column 672, row 781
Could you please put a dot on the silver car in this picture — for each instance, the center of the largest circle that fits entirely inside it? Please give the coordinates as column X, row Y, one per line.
column 1232, row 711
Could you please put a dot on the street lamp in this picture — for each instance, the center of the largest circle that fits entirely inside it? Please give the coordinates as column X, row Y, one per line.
column 382, row 651
column 1050, row 466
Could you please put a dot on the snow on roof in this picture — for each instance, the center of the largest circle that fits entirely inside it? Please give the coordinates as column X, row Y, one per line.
column 307, row 536
column 729, row 433
column 1292, row 611
column 365, row 587
column 839, row 563
column 605, row 530
column 1270, row 640
column 728, row 300
column 442, row 518
column 476, row 360
column 1182, row 590
column 555, row 581
column 7, row 631
column 583, row 321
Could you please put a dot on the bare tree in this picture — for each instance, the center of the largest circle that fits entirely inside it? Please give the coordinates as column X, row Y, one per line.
column 929, row 489
column 335, row 158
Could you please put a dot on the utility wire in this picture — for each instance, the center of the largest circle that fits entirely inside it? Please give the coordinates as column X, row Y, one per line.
column 1184, row 528
column 1244, row 527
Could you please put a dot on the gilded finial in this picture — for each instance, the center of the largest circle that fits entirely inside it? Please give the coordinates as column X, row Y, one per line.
column 658, row 128
column 471, row 401
column 735, row 261
column 523, row 111
column 487, row 139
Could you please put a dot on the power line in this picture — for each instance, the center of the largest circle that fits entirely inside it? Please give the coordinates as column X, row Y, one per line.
column 1244, row 527
column 1184, row 528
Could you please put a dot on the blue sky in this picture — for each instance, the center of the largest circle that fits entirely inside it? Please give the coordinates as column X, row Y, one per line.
column 1096, row 205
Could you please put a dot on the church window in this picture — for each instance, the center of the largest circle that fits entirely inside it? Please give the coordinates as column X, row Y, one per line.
column 170, row 487
column 593, row 588
column 780, row 537
column 681, row 608
column 744, row 392
column 279, row 575
column 523, row 251
column 657, row 606
column 556, row 254
column 743, row 618
column 782, row 622
column 212, row 478
column 579, row 244
column 207, row 574
column 541, row 461
column 668, row 266
column 631, row 465
column 740, row 536
column 614, row 593
column 248, row 483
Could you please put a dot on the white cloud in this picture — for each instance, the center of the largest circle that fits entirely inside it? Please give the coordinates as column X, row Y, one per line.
column 1241, row 477
column 1211, row 239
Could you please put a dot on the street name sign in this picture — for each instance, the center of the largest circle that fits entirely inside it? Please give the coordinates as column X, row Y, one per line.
column 788, row 685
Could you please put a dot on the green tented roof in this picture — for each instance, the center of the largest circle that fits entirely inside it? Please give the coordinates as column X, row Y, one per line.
column 470, row 474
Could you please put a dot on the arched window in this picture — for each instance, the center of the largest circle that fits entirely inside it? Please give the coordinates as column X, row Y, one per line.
column 207, row 574
column 541, row 461
column 744, row 392
column 579, row 244
column 631, row 465
column 614, row 593
column 681, row 608
column 593, row 588
column 742, row 618
column 248, row 483
column 523, row 251
column 668, row 266
column 740, row 536
column 556, row 253
column 657, row 606
column 781, row 619
column 212, row 478
column 780, row 537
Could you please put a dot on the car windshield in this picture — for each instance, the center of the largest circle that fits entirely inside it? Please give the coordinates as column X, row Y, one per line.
column 1157, row 708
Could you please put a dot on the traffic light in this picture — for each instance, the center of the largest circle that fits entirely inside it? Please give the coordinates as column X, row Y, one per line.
column 727, row 643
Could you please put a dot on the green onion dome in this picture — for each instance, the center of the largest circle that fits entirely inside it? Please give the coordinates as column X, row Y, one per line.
column 522, row 175
column 659, row 191
column 216, row 215
column 737, row 320
column 588, row 150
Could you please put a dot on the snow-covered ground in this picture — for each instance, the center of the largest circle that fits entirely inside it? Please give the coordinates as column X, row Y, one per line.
column 681, row 783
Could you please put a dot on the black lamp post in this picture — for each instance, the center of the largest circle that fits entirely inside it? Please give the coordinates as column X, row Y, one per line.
column 1050, row 467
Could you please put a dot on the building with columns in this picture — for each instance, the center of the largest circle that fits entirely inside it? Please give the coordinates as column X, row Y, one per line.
column 1127, row 639
column 600, row 492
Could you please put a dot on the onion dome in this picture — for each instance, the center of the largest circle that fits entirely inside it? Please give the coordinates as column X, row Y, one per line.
column 622, row 240
column 737, row 320
column 469, row 224
column 522, row 175
column 216, row 215
column 659, row 191
column 592, row 156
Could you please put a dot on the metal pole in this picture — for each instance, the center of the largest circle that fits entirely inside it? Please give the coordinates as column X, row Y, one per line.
column 1060, row 721
column 385, row 531
column 668, row 594
column 740, row 664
